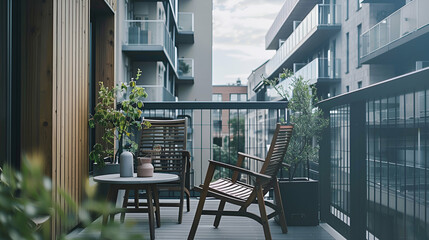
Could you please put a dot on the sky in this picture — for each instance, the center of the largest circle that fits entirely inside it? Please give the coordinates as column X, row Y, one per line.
column 239, row 28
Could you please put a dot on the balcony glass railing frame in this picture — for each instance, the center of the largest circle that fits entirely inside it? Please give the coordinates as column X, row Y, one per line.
column 402, row 22
column 156, row 93
column 321, row 15
column 185, row 73
column 186, row 22
column 161, row 36
column 319, row 68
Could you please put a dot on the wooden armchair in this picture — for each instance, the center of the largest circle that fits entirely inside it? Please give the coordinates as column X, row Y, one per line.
column 169, row 136
column 243, row 195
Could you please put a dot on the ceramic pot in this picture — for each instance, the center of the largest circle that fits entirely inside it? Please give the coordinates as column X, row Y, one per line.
column 126, row 164
column 145, row 167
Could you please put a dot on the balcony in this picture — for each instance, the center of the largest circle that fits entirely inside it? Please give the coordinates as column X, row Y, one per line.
column 149, row 40
column 185, row 70
column 319, row 71
column 405, row 32
column 282, row 27
column 317, row 26
column 186, row 28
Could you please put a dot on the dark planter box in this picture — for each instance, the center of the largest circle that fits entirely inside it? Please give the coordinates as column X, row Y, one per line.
column 300, row 201
column 108, row 168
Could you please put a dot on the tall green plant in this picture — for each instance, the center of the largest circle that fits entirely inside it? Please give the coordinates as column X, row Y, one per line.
column 116, row 121
column 308, row 121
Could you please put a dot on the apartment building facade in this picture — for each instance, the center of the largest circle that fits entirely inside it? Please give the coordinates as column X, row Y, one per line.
column 348, row 49
column 170, row 41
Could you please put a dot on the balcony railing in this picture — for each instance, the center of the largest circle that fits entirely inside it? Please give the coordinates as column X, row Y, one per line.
column 321, row 15
column 317, row 70
column 186, row 22
column 150, row 33
column 406, row 20
column 155, row 93
column 375, row 159
column 218, row 130
column 185, row 68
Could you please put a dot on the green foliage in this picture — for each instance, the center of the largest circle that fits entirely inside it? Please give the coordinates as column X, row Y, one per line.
column 24, row 196
column 308, row 121
column 27, row 195
column 116, row 122
column 184, row 67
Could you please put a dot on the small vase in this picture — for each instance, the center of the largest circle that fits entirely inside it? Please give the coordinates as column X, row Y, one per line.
column 126, row 164
column 145, row 167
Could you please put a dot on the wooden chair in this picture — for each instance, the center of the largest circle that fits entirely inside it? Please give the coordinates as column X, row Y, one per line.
column 243, row 195
column 172, row 157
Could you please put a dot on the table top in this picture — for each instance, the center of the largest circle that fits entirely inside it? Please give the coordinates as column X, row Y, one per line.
column 116, row 179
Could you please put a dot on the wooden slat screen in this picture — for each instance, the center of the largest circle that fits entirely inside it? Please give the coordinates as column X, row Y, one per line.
column 70, row 101
column 54, row 97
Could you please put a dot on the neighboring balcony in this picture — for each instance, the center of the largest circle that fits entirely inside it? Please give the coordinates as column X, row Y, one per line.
column 186, row 28
column 292, row 11
column 149, row 40
column 405, row 32
column 155, row 93
column 317, row 27
column 185, row 70
column 321, row 71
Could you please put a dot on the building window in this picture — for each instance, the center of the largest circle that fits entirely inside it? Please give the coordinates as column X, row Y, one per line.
column 359, row 32
column 360, row 84
column 347, row 52
column 238, row 97
column 347, row 9
column 347, row 88
column 359, row 4
column 217, row 97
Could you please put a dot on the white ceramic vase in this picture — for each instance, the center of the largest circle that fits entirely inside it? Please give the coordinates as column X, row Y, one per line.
column 126, row 164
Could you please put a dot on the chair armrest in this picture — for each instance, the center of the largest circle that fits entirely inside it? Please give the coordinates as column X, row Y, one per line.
column 260, row 159
column 251, row 157
column 286, row 165
column 239, row 169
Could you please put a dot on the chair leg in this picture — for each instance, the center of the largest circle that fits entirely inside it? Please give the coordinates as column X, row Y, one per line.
column 197, row 215
column 264, row 219
column 203, row 196
column 156, row 200
column 124, row 205
column 279, row 206
column 219, row 215
column 188, row 200
column 182, row 193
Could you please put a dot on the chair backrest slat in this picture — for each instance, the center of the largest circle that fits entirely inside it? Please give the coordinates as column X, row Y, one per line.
column 170, row 136
column 277, row 151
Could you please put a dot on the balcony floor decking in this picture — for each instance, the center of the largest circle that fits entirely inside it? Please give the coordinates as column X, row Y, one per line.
column 230, row 227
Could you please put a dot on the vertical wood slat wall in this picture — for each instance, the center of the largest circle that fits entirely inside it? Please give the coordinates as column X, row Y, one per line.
column 54, row 95
column 70, row 102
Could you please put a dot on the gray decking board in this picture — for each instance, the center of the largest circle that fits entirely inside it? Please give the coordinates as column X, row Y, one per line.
column 237, row 228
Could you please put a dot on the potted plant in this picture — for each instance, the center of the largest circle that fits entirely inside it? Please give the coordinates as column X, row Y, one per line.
column 117, row 122
column 300, row 194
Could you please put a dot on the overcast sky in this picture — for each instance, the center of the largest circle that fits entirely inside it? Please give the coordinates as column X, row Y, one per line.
column 239, row 28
